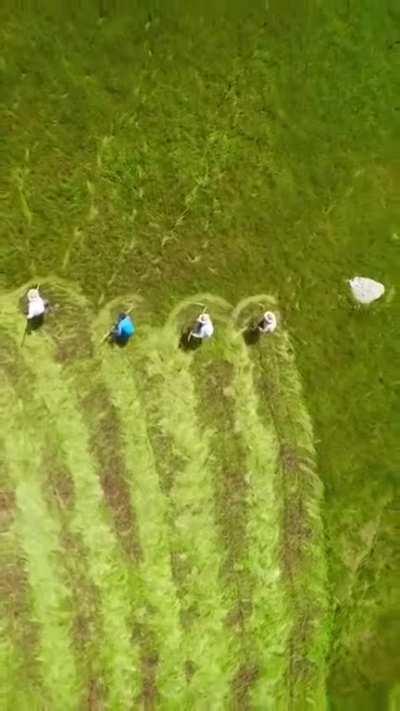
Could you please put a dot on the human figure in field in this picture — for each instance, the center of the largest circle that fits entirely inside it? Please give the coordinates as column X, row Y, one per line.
column 255, row 330
column 36, row 308
column 123, row 330
column 202, row 329
column 268, row 323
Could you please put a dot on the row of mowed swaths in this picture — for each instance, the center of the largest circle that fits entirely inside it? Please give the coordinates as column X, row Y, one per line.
column 162, row 543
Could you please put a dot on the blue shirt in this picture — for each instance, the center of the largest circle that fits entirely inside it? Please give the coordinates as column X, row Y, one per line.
column 126, row 328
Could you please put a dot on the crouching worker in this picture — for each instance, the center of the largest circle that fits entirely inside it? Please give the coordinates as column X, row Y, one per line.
column 268, row 323
column 123, row 330
column 36, row 309
column 255, row 330
column 202, row 330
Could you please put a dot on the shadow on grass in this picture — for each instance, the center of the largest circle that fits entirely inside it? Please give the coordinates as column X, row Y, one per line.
column 117, row 342
column 186, row 343
column 251, row 335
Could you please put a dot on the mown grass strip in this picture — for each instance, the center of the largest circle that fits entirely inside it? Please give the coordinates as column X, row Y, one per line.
column 86, row 633
column 158, row 603
column 58, row 494
column 16, row 688
column 27, row 681
column 208, row 645
column 104, row 426
column 302, row 543
column 107, row 569
column 38, row 533
column 72, row 335
column 9, row 662
column 20, row 678
column 269, row 623
column 213, row 374
column 19, row 638
column 73, row 348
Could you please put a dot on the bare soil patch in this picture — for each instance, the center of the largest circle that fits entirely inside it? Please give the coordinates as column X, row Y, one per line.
column 245, row 678
column 7, row 507
column 149, row 666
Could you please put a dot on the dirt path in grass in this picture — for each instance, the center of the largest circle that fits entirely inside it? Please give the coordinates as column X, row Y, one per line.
column 20, row 679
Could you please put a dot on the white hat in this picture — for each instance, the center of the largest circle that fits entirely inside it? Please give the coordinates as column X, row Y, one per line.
column 33, row 294
column 203, row 318
column 269, row 316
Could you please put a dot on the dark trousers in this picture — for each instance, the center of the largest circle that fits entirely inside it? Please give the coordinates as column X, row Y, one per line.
column 34, row 323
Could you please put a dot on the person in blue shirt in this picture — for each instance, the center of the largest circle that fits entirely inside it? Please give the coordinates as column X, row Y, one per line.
column 123, row 330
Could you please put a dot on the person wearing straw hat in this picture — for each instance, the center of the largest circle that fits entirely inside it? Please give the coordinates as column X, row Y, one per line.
column 36, row 309
column 203, row 328
column 268, row 323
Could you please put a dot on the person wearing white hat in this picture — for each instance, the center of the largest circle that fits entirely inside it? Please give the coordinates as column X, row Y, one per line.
column 36, row 309
column 268, row 323
column 203, row 328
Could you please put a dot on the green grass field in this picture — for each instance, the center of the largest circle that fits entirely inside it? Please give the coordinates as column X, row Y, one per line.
column 207, row 530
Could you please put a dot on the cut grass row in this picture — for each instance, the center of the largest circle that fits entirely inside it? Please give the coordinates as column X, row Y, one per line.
column 58, row 387
column 302, row 539
column 213, row 377
column 270, row 616
column 191, row 615
column 38, row 536
column 284, row 530
column 60, row 420
column 208, row 645
column 19, row 634
column 249, row 444
column 157, row 603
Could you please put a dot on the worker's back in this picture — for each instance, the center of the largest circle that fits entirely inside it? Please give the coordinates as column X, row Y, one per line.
column 36, row 307
column 126, row 328
column 204, row 327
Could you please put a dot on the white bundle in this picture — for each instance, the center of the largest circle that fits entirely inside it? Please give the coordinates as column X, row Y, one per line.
column 366, row 290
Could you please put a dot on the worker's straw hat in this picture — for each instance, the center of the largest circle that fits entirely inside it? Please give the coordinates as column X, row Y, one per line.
column 203, row 318
column 33, row 294
column 269, row 316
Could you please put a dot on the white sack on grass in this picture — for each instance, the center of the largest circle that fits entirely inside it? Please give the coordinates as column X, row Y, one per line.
column 366, row 290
